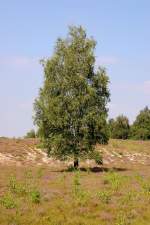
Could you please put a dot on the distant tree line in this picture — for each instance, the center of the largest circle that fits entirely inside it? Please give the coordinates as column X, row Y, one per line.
column 140, row 129
column 31, row 134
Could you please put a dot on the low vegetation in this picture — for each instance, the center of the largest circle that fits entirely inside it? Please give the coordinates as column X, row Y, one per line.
column 116, row 193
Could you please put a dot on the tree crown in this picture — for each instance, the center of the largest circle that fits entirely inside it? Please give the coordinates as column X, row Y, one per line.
column 70, row 110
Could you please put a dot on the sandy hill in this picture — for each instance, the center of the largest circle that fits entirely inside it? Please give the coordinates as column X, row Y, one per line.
column 26, row 151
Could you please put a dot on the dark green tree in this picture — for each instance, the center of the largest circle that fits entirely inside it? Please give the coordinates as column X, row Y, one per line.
column 30, row 134
column 141, row 127
column 119, row 128
column 70, row 110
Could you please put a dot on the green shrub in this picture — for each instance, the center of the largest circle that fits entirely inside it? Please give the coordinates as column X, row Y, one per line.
column 97, row 157
column 8, row 201
column 22, row 189
column 40, row 145
column 16, row 187
column 71, row 168
column 35, row 196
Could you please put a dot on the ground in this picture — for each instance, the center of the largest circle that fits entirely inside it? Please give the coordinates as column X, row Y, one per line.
column 37, row 190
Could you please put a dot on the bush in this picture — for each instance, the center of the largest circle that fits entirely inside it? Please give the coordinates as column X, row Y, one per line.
column 17, row 187
column 35, row 195
column 8, row 201
column 97, row 157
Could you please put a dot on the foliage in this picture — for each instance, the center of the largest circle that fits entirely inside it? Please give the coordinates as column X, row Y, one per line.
column 71, row 111
column 17, row 187
column 21, row 189
column 97, row 157
column 35, row 195
column 141, row 126
column 119, row 127
column 8, row 201
column 31, row 134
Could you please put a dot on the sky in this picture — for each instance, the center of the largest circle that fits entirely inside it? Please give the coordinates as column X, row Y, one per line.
column 28, row 31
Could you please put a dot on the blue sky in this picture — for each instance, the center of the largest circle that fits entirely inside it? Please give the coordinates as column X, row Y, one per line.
column 28, row 31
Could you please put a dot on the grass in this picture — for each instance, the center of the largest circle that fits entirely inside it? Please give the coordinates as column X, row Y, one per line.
column 72, row 198
column 104, row 196
column 117, row 194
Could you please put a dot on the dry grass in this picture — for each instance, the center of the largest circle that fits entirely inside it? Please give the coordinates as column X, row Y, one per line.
column 47, row 194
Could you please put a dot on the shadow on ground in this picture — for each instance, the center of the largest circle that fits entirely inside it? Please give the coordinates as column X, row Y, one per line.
column 95, row 169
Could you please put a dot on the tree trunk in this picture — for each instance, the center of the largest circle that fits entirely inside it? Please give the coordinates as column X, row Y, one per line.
column 76, row 163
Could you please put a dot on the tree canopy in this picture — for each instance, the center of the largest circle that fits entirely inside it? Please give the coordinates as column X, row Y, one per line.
column 119, row 127
column 141, row 126
column 71, row 109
